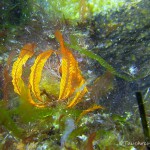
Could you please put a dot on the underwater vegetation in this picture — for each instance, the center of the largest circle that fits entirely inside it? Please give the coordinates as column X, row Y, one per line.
column 79, row 10
column 75, row 88
column 72, row 82
column 60, row 120
column 72, row 89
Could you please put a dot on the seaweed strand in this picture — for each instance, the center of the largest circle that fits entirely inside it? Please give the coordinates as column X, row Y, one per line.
column 143, row 119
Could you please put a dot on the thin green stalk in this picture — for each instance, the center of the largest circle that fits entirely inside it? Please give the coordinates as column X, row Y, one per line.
column 143, row 119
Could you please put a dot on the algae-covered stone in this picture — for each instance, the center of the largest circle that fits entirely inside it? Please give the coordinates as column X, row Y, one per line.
column 122, row 39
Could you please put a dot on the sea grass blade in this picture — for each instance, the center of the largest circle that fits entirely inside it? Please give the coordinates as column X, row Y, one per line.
column 143, row 119
column 101, row 61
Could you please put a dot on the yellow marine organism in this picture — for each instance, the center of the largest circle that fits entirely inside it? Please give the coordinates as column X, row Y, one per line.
column 72, row 79
column 36, row 72
column 26, row 52
column 72, row 84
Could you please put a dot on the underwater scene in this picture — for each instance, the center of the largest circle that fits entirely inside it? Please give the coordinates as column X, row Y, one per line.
column 74, row 75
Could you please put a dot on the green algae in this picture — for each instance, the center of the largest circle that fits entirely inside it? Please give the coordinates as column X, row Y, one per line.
column 7, row 121
column 72, row 9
